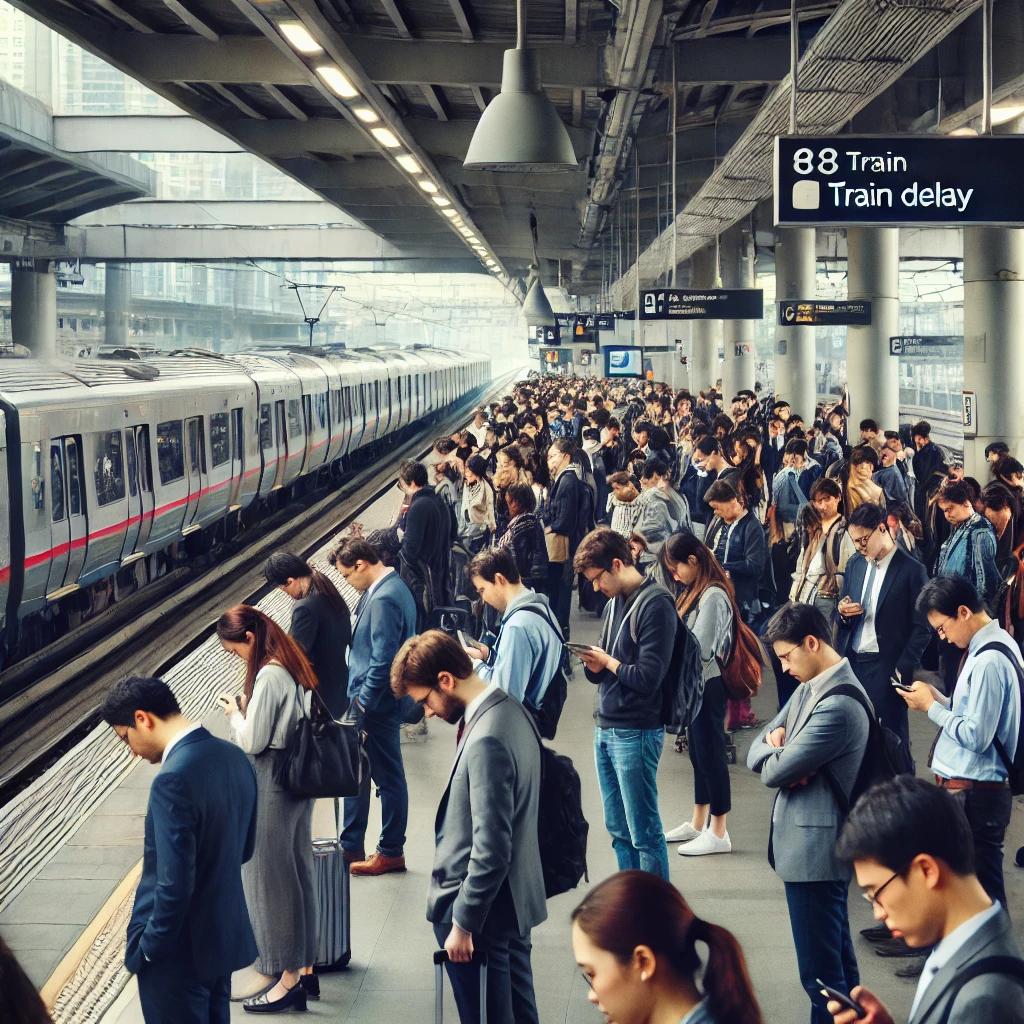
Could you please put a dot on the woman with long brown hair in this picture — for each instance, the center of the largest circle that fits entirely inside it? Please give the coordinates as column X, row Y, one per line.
column 278, row 880
column 635, row 940
column 707, row 605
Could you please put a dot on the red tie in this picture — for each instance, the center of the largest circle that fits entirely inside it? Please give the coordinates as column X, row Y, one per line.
column 458, row 732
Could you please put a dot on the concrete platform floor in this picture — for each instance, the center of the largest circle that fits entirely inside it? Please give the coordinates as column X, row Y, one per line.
column 390, row 979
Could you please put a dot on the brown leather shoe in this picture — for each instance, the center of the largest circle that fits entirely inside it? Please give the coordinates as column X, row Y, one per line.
column 353, row 856
column 378, row 864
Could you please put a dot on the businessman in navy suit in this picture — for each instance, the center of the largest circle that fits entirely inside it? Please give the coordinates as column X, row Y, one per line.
column 190, row 927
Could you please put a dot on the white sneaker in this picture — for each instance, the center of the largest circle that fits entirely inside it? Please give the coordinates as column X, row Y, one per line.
column 706, row 842
column 682, row 834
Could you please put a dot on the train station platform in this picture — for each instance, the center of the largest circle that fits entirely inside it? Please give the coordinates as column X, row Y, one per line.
column 74, row 840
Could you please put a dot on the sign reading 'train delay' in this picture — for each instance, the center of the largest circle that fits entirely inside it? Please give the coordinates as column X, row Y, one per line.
column 929, row 179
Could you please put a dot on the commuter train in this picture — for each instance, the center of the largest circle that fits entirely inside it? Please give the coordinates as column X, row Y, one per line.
column 114, row 470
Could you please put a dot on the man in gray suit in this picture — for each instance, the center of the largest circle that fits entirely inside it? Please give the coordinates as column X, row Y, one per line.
column 487, row 886
column 910, row 844
column 811, row 750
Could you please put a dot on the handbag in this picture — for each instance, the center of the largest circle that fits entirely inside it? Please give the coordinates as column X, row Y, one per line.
column 324, row 757
column 558, row 546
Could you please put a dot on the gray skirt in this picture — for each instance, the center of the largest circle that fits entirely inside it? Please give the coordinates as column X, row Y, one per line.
column 278, row 880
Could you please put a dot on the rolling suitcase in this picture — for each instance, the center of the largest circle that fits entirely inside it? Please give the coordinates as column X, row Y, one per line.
column 331, row 880
column 440, row 959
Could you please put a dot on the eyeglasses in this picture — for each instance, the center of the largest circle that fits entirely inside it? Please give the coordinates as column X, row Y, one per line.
column 588, row 979
column 595, row 581
column 941, row 627
column 123, row 736
column 861, row 542
column 785, row 655
column 872, row 897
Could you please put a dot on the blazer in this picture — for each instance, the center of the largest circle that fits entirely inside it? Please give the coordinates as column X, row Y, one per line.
column 902, row 633
column 989, row 997
column 385, row 619
column 200, row 829
column 487, row 873
column 806, row 819
column 325, row 635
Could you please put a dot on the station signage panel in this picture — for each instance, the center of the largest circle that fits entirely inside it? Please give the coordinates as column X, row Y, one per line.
column 811, row 313
column 586, row 322
column 545, row 335
column 707, row 304
column 888, row 180
column 625, row 314
column 926, row 346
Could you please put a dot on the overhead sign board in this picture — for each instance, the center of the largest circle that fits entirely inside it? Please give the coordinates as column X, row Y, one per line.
column 969, row 413
column 811, row 313
column 927, row 346
column 586, row 321
column 545, row 335
column 707, row 304
column 924, row 179
column 625, row 314
column 556, row 356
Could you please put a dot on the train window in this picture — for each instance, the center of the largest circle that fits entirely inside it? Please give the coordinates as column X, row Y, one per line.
column 133, row 469
column 336, row 405
column 109, row 467
column 220, row 442
column 196, row 445
column 266, row 428
column 236, row 435
column 56, row 483
column 321, row 409
column 170, row 451
column 294, row 417
column 145, row 473
column 73, row 453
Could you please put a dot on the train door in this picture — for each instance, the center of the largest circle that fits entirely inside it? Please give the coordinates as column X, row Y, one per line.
column 131, row 536
column 307, row 419
column 237, row 457
column 68, row 521
column 281, row 433
column 196, row 462
column 147, row 497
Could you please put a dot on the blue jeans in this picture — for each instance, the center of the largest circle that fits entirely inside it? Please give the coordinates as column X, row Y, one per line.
column 383, row 747
column 627, row 772
column 821, row 933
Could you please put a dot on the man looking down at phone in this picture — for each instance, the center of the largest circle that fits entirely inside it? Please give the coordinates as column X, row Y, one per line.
column 629, row 667
column 910, row 845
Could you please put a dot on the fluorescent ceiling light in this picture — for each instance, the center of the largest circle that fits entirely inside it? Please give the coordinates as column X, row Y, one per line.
column 366, row 115
column 1003, row 112
column 427, row 185
column 472, row 239
column 408, row 163
column 449, row 213
column 337, row 82
column 442, row 201
column 296, row 34
column 386, row 137
column 465, row 232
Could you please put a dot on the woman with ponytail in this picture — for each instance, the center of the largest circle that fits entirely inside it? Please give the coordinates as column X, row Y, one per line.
column 278, row 879
column 321, row 624
column 635, row 939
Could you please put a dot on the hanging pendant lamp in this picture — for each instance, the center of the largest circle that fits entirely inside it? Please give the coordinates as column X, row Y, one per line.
column 536, row 308
column 520, row 130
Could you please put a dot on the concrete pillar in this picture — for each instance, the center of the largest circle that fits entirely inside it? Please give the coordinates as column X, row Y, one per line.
column 993, row 354
column 872, row 375
column 34, row 308
column 117, row 302
column 706, row 334
column 739, row 366
column 794, row 346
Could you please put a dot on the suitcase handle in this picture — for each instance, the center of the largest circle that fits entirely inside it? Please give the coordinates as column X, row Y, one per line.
column 479, row 957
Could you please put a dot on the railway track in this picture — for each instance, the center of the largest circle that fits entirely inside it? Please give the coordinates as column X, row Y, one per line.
column 49, row 715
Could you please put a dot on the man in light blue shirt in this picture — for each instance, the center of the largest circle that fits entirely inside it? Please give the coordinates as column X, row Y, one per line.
column 527, row 651
column 980, row 723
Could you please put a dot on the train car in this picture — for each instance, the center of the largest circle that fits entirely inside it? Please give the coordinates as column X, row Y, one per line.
column 117, row 470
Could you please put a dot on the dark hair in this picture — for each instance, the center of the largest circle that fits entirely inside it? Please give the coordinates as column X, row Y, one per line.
column 22, row 1003
column 643, row 427
column 956, row 492
column 412, row 472
column 902, row 818
column 283, row 565
column 1007, row 465
column 421, row 659
column 523, row 496
column 945, row 594
column 921, row 429
column 796, row 447
column 864, row 453
column 600, row 417
column 489, row 562
column 678, row 548
column 477, row 464
column 792, row 622
column 654, row 465
column 138, row 693
column 722, row 422
column 999, row 447
column 825, row 485
column 998, row 496
column 708, row 445
column 869, row 425
column 720, row 490
column 445, row 445
column 867, row 516
column 565, row 445
column 893, row 435
column 271, row 642
column 600, row 548
column 352, row 550
column 637, row 908
column 619, row 479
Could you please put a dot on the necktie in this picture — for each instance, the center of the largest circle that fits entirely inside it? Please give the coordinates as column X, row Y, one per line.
column 458, row 732
column 865, row 602
column 361, row 602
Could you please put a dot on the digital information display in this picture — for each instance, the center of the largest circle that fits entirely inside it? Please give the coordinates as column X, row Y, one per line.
column 707, row 304
column 623, row 361
column 811, row 313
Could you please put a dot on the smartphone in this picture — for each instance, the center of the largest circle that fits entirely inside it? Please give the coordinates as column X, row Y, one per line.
column 578, row 649
column 844, row 1000
column 900, row 685
column 466, row 642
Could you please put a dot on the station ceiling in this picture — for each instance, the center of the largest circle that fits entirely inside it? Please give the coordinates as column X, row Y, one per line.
column 423, row 70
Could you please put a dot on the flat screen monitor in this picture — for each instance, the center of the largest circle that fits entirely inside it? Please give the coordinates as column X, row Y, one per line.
column 623, row 361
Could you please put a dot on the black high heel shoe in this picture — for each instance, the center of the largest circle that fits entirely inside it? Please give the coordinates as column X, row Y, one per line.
column 311, row 985
column 293, row 999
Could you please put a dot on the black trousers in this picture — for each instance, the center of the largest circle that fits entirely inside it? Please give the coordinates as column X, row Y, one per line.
column 874, row 674
column 170, row 995
column 706, row 741
column 988, row 814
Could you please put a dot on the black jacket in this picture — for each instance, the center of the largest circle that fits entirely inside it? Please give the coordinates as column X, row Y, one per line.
column 744, row 559
column 525, row 536
column 563, row 513
column 930, row 473
column 428, row 539
column 325, row 635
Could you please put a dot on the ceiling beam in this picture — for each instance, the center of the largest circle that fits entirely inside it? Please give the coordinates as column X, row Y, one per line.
column 236, row 101
column 435, row 101
column 462, row 18
column 194, row 22
column 285, row 103
column 122, row 15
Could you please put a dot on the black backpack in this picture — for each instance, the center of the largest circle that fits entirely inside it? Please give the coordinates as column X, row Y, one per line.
column 1014, row 768
column 561, row 827
column 885, row 757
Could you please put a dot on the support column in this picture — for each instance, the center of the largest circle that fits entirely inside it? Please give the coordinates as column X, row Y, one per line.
column 739, row 366
column 794, row 346
column 117, row 301
column 706, row 334
column 872, row 375
column 34, row 308
column 993, row 354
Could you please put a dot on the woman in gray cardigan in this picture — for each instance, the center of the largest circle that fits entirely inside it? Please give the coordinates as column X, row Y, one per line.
column 278, row 880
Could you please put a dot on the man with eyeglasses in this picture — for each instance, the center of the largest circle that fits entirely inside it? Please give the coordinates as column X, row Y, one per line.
column 812, row 749
column 911, row 849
